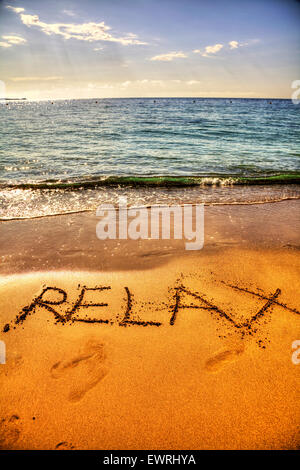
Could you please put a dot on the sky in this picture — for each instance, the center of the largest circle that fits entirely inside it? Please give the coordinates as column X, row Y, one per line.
column 60, row 49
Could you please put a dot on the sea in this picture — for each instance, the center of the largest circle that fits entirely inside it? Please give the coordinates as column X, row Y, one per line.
column 68, row 156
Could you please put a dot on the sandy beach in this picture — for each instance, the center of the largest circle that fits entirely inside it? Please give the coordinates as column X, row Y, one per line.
column 141, row 345
column 149, row 231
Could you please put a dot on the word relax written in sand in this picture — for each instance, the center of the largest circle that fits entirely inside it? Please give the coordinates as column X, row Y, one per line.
column 247, row 326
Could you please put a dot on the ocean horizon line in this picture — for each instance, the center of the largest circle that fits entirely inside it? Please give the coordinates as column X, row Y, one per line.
column 148, row 98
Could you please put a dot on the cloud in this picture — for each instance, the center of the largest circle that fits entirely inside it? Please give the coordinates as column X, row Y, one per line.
column 141, row 83
column 169, row 57
column 12, row 40
column 128, row 84
column 236, row 44
column 15, row 9
column 69, row 12
column 4, row 44
column 213, row 49
column 209, row 50
column 98, row 48
column 84, row 32
column 145, row 84
column 35, row 79
column 193, row 82
column 95, row 86
column 233, row 44
column 89, row 32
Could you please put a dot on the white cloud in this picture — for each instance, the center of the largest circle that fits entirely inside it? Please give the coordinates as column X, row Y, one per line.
column 141, row 83
column 209, row 50
column 193, row 82
column 4, row 44
column 89, row 32
column 69, row 12
column 145, row 84
column 100, row 86
column 129, row 84
column 84, row 32
column 35, row 79
column 98, row 49
column 213, row 49
column 126, row 84
column 15, row 9
column 170, row 56
column 14, row 40
column 234, row 44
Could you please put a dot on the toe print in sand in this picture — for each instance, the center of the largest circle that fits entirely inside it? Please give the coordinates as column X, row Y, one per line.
column 82, row 370
column 10, row 430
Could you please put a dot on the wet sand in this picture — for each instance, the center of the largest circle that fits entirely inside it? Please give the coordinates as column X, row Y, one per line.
column 69, row 242
column 179, row 351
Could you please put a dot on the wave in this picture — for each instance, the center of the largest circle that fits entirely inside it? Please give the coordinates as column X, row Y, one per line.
column 156, row 181
column 31, row 203
column 74, row 212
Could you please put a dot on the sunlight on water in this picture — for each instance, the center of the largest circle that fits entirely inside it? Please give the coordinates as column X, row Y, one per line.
column 83, row 142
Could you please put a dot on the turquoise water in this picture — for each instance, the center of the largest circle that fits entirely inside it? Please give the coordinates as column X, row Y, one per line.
column 51, row 149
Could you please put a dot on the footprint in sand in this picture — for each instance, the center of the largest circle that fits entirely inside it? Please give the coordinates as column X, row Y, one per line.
column 217, row 362
column 83, row 371
column 64, row 446
column 9, row 432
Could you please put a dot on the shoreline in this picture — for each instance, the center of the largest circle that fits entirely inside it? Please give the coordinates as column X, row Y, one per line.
column 211, row 204
column 40, row 200
column 69, row 241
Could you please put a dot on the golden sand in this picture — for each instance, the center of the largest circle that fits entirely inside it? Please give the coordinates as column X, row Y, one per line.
column 194, row 353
